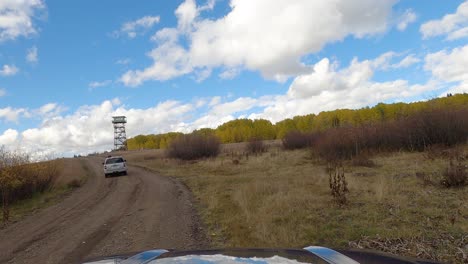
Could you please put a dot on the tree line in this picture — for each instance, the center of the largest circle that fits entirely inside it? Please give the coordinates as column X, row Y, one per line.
column 242, row 130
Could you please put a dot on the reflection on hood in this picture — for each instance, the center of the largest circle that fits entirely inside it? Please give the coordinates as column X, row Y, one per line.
column 206, row 259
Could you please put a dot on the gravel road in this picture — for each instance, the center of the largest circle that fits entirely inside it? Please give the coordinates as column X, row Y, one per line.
column 104, row 217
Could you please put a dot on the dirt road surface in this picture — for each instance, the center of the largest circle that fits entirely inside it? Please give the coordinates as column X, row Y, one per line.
column 104, row 217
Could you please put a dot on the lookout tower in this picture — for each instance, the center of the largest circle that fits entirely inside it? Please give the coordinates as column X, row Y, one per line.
column 120, row 137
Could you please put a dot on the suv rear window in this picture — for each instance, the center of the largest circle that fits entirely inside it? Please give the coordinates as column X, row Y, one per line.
column 114, row 160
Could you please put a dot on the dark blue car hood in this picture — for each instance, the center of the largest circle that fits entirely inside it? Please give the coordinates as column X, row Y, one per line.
column 316, row 255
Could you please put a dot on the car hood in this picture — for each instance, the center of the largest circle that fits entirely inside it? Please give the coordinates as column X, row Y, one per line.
column 313, row 254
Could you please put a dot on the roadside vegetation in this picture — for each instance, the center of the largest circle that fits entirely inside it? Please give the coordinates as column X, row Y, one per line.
column 26, row 186
column 283, row 199
column 243, row 130
column 395, row 184
column 194, row 146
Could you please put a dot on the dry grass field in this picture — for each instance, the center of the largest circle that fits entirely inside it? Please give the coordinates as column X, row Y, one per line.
column 282, row 199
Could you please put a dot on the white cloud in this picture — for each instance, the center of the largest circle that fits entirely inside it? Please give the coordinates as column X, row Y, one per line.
column 123, row 61
column 248, row 37
column 99, row 84
column 8, row 70
column 12, row 114
column 454, row 26
column 49, row 110
column 8, row 137
column 31, row 56
column 450, row 66
column 327, row 87
column 2, row 92
column 89, row 128
column 406, row 62
column 16, row 18
column 133, row 28
column 229, row 74
column 170, row 60
column 407, row 18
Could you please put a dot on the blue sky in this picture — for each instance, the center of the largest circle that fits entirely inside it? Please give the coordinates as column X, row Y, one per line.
column 67, row 66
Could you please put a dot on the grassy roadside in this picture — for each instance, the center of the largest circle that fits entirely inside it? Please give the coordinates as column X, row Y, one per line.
column 56, row 193
column 282, row 199
column 39, row 200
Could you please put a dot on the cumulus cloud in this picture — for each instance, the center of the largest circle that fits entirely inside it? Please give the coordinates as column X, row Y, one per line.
column 407, row 18
column 31, row 56
column 8, row 70
column 12, row 114
column 453, row 26
column 327, row 87
column 133, row 28
column 89, row 128
column 8, row 137
column 450, row 66
column 16, row 18
column 247, row 37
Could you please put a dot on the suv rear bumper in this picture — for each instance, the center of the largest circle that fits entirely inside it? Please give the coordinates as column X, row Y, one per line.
column 115, row 171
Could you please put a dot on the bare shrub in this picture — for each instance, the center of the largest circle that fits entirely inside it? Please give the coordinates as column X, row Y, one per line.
column 337, row 183
column 338, row 144
column 455, row 175
column 421, row 131
column 194, row 146
column 296, row 140
column 256, row 146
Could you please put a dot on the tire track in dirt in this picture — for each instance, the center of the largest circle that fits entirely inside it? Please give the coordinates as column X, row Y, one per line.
column 48, row 227
column 94, row 238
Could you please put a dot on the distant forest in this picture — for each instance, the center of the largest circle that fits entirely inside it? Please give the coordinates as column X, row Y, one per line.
column 242, row 130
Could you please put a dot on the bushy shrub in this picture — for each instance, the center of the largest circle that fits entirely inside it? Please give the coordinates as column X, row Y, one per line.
column 337, row 144
column 21, row 179
column 194, row 146
column 296, row 140
column 255, row 146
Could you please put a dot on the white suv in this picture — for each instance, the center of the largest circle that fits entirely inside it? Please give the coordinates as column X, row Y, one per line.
column 115, row 165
